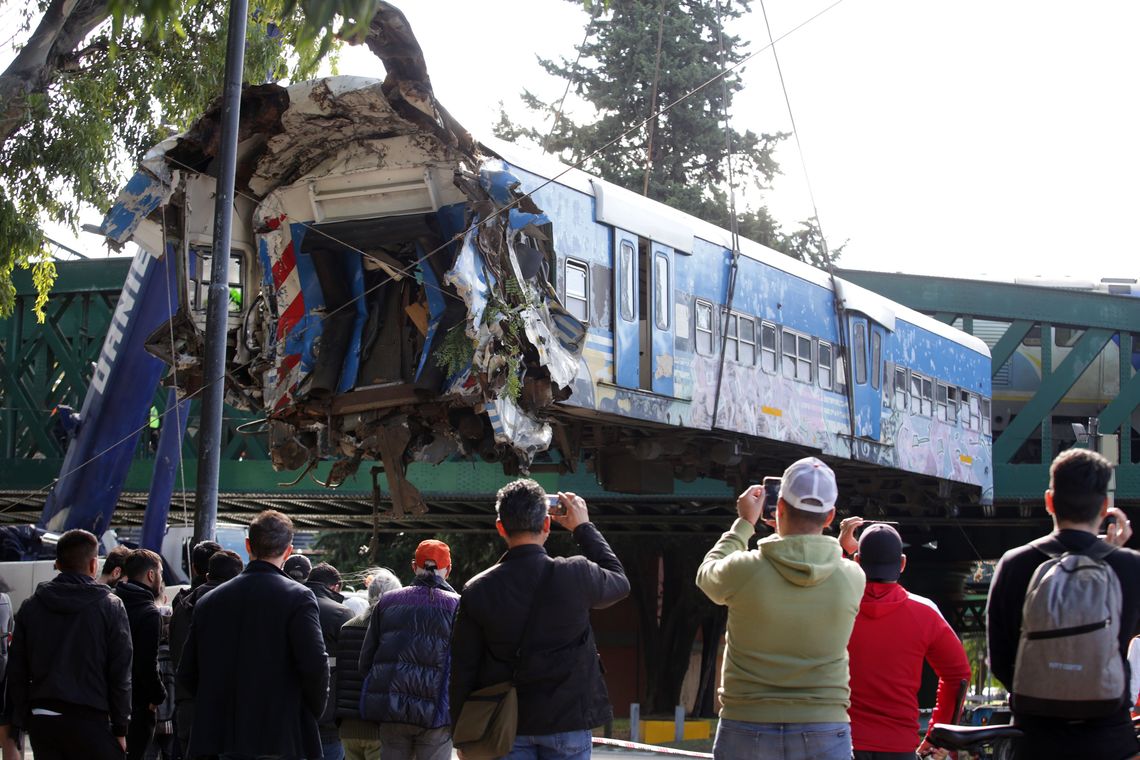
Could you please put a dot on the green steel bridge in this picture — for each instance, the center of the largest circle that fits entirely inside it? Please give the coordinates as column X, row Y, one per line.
column 42, row 365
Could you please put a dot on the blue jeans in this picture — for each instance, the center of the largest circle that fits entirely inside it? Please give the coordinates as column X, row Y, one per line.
column 782, row 741
column 333, row 749
column 568, row 745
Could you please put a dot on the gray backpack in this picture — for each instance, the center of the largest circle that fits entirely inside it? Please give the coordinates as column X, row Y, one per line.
column 1068, row 658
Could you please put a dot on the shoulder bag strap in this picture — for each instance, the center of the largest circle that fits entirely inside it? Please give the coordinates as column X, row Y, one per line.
column 530, row 613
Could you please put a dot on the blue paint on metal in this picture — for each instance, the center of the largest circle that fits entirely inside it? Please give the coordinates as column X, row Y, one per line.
column 309, row 328
column 498, row 184
column 516, row 219
column 354, row 268
column 142, row 195
column 868, row 404
column 436, row 306
column 627, row 359
column 167, row 461
column 116, row 407
column 661, row 318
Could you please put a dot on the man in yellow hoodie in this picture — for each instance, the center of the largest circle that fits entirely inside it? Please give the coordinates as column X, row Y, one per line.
column 792, row 603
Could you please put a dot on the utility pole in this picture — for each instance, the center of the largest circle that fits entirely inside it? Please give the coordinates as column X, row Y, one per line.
column 217, row 306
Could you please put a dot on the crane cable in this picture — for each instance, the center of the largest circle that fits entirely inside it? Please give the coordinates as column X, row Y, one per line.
column 837, row 300
column 653, row 98
column 734, row 227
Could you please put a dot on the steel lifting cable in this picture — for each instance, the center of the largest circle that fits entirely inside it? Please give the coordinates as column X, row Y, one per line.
column 840, row 312
column 734, row 228
column 566, row 91
column 458, row 236
column 653, row 96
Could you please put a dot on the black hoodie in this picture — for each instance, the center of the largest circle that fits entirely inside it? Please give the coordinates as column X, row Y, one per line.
column 71, row 652
column 146, row 630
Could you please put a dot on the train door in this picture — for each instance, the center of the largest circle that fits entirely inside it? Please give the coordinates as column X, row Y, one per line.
column 626, row 308
column 867, row 341
column 661, row 359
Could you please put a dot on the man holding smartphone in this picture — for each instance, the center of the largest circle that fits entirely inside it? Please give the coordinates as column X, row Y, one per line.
column 792, row 602
column 527, row 619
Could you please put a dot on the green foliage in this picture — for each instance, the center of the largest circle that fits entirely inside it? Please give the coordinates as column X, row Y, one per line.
column 615, row 72
column 455, row 351
column 139, row 78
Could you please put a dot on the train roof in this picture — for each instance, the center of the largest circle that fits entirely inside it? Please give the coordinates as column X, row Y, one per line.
column 668, row 225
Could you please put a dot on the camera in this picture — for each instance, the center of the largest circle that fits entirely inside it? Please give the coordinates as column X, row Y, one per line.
column 554, row 505
column 771, row 496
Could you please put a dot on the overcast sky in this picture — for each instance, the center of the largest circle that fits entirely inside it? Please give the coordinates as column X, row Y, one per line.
column 981, row 138
column 972, row 138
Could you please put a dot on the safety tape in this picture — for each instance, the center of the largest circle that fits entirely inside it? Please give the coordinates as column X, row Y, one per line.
column 648, row 747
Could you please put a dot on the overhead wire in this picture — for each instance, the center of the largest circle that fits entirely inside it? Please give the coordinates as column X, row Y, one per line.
column 407, row 270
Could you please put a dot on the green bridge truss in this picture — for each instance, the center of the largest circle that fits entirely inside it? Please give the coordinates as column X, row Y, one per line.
column 49, row 364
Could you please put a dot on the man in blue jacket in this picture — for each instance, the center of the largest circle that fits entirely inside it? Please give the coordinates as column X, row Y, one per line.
column 407, row 658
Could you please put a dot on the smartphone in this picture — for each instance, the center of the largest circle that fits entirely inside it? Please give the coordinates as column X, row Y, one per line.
column 554, row 505
column 771, row 496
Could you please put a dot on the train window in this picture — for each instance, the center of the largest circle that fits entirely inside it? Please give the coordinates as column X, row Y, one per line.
column 860, row 354
column 900, row 388
column 767, row 347
column 200, row 279
column 746, row 352
column 940, row 393
column 876, row 359
column 627, row 280
column 825, row 365
column 704, row 325
column 661, row 291
column 975, row 413
column 803, row 362
column 1033, row 337
column 731, row 322
column 952, row 405
column 967, row 399
column 921, row 395
column 985, row 416
column 788, row 353
column 578, row 289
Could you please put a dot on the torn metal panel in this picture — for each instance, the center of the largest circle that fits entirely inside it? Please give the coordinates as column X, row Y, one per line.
column 143, row 193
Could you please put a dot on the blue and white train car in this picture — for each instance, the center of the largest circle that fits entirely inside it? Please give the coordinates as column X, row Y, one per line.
column 401, row 292
column 674, row 338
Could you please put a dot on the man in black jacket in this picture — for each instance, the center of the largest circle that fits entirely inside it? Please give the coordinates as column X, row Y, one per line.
column 69, row 669
column 140, row 587
column 1077, row 499
column 255, row 660
column 179, row 614
column 324, row 582
column 561, row 691
column 360, row 738
column 222, row 566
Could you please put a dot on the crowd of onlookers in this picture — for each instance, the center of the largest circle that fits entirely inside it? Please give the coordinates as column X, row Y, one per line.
column 824, row 647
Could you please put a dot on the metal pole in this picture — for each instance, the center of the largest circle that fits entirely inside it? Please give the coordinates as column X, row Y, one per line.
column 217, row 307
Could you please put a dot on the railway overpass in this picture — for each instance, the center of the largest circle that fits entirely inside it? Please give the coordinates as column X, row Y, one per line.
column 42, row 366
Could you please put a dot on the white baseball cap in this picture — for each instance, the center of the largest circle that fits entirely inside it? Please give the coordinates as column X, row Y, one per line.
column 806, row 479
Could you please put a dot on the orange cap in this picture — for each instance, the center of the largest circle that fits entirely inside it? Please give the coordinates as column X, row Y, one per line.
column 435, row 551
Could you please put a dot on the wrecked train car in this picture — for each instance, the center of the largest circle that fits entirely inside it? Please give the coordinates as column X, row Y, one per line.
column 401, row 292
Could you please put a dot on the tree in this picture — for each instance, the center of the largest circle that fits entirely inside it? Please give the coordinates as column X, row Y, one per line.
column 97, row 82
column 645, row 56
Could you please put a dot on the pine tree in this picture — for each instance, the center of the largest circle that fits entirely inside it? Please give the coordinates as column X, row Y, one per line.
column 622, row 75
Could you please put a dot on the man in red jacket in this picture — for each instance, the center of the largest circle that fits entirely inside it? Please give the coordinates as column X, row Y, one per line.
column 894, row 632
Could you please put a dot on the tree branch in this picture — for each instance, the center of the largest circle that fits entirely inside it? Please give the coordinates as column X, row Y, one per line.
column 64, row 25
